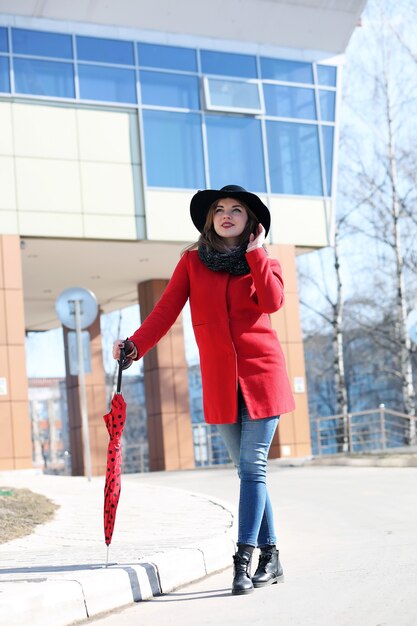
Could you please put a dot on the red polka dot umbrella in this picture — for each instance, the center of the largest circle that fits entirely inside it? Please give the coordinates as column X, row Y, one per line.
column 115, row 421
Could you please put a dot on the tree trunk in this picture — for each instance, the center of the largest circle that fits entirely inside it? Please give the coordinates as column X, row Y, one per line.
column 401, row 304
column 338, row 355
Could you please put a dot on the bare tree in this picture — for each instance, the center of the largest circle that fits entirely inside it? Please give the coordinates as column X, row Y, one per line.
column 330, row 291
column 382, row 186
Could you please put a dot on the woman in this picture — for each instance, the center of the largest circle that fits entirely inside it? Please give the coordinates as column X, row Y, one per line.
column 233, row 285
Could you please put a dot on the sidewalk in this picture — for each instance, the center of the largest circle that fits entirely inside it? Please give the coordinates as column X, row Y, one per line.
column 163, row 538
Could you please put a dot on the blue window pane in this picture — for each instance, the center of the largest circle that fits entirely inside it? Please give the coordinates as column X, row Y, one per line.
column 328, row 137
column 175, row 90
column 4, row 75
column 44, row 78
column 105, row 50
column 173, row 149
column 326, row 75
column 285, row 101
column 228, row 64
column 167, row 57
column 4, row 44
column 235, row 152
column 327, row 105
column 107, row 84
column 289, row 71
column 294, row 158
column 38, row 43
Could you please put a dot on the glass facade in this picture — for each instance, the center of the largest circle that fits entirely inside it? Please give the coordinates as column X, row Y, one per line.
column 294, row 158
column 105, row 50
column 4, row 46
column 170, row 90
column 44, row 78
column 180, row 161
column 290, row 102
column 235, row 152
column 108, row 84
column 208, row 117
column 4, row 75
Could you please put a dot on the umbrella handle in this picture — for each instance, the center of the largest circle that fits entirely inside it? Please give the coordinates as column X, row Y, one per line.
column 119, row 375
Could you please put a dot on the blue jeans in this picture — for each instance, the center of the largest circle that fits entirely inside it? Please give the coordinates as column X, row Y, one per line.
column 248, row 442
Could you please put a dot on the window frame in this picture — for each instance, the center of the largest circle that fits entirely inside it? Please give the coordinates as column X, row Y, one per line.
column 209, row 106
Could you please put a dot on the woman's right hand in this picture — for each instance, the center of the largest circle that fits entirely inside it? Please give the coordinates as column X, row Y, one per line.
column 130, row 349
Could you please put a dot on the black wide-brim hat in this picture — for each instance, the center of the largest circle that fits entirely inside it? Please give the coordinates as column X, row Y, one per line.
column 202, row 201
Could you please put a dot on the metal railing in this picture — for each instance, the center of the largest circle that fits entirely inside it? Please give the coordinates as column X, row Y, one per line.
column 364, row 431
column 209, row 448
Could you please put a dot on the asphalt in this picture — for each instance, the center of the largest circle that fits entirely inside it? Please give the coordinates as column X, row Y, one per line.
column 163, row 538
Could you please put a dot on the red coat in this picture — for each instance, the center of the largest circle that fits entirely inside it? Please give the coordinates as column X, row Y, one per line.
column 233, row 332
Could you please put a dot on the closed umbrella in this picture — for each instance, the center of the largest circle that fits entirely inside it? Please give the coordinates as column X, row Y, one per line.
column 115, row 421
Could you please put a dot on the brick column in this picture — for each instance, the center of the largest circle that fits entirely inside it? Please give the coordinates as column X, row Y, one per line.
column 97, row 406
column 293, row 435
column 15, row 439
column 166, row 388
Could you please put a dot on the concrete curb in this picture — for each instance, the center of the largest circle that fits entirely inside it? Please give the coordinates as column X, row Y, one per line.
column 64, row 597
column 75, row 596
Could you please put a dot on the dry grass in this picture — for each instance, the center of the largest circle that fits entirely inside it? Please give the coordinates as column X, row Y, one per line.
column 21, row 510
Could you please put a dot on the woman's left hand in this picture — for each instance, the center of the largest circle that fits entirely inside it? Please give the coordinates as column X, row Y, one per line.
column 258, row 240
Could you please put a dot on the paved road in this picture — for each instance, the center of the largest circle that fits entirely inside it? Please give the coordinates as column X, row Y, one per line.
column 348, row 540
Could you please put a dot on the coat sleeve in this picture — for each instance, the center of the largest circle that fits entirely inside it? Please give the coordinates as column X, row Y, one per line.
column 165, row 312
column 267, row 278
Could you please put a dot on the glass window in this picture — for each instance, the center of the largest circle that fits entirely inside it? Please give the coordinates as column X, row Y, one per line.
column 44, row 78
column 172, row 90
column 39, row 43
column 289, row 71
column 326, row 75
column 328, row 137
column 294, row 158
column 232, row 94
column 173, row 149
column 167, row 57
column 327, row 105
column 107, row 84
column 235, row 152
column 283, row 101
column 4, row 44
column 105, row 50
column 228, row 64
column 4, row 75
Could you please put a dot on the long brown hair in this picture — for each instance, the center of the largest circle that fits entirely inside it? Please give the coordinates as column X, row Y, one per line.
column 212, row 240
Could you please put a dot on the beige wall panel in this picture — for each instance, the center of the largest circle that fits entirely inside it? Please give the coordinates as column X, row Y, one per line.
column 7, row 184
column 50, row 224
column 6, row 134
column 108, row 188
column 109, row 227
column 47, row 185
column 9, row 222
column 298, row 221
column 45, row 131
column 108, row 136
column 168, row 216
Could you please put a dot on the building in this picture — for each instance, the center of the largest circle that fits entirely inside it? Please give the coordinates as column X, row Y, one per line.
column 112, row 115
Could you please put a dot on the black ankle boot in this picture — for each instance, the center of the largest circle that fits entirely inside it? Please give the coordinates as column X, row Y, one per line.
column 269, row 570
column 241, row 576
